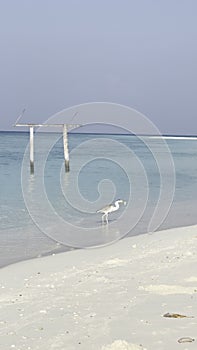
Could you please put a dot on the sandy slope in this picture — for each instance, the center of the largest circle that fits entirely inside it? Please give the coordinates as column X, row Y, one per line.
column 109, row 298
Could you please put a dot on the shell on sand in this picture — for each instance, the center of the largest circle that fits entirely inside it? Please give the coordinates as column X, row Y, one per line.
column 186, row 340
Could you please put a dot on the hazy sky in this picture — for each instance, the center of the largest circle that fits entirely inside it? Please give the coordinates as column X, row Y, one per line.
column 141, row 53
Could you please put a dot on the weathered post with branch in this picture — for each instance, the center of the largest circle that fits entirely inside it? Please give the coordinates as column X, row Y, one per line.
column 66, row 151
column 65, row 140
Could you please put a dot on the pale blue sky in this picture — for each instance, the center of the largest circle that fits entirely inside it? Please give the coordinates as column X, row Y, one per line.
column 141, row 53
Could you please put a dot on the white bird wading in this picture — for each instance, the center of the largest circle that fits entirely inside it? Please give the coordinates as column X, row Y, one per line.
column 110, row 208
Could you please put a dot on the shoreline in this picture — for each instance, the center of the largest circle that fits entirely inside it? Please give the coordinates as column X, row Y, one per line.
column 59, row 249
column 104, row 298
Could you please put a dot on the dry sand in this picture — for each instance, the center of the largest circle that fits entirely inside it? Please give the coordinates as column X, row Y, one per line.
column 109, row 298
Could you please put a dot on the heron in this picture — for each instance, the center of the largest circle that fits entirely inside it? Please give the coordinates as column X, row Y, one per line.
column 110, row 208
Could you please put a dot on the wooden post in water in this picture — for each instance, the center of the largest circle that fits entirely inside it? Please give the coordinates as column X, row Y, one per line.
column 66, row 152
column 31, row 144
column 31, row 140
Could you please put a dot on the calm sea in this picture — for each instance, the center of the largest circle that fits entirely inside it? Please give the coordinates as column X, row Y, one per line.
column 102, row 168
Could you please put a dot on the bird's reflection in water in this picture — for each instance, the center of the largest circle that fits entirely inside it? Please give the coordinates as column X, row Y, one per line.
column 109, row 233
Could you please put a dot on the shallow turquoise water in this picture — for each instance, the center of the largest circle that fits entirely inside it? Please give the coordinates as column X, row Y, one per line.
column 103, row 168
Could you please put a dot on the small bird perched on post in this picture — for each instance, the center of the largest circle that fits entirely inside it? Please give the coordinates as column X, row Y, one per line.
column 110, row 208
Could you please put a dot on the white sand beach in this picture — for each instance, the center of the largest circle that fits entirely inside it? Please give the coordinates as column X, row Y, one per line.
column 108, row 298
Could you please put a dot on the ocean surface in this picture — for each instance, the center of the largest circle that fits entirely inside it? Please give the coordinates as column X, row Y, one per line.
column 51, row 211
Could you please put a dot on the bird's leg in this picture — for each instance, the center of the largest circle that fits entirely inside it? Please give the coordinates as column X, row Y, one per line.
column 103, row 217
